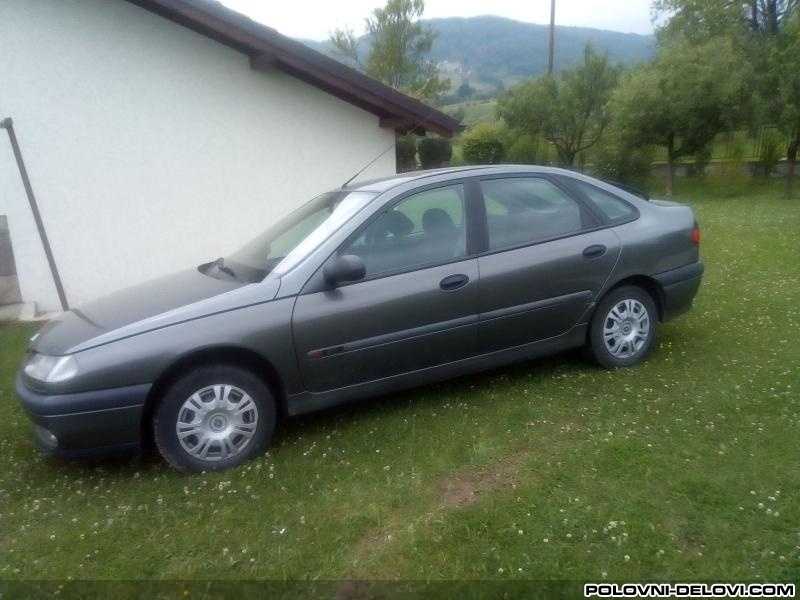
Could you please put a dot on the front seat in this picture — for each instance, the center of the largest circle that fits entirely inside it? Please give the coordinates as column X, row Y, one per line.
column 437, row 222
column 386, row 241
column 441, row 233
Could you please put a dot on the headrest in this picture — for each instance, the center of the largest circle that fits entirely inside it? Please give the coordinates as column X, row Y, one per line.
column 437, row 219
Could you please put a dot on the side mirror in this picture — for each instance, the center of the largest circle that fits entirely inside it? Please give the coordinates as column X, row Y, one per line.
column 345, row 268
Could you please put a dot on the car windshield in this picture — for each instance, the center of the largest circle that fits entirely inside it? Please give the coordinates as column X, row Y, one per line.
column 286, row 243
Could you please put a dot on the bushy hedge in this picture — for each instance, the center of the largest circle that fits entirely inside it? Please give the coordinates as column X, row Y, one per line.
column 484, row 144
column 406, row 153
column 434, row 152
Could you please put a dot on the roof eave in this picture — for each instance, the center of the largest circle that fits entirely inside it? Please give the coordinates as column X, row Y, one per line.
column 269, row 49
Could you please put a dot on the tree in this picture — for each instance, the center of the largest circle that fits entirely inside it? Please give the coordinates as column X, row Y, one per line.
column 784, row 103
column 570, row 111
column 765, row 32
column 682, row 100
column 465, row 91
column 699, row 20
column 398, row 49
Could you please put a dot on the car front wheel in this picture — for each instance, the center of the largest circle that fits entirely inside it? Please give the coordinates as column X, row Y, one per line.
column 623, row 329
column 214, row 418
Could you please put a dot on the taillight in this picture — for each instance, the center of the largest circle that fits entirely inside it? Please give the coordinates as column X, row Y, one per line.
column 696, row 235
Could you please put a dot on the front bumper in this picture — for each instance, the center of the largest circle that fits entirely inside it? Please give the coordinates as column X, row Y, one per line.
column 680, row 286
column 86, row 423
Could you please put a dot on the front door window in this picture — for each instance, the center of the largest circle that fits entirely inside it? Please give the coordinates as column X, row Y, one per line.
column 424, row 229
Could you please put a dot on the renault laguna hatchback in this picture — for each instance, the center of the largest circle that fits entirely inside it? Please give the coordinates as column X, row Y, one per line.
column 375, row 287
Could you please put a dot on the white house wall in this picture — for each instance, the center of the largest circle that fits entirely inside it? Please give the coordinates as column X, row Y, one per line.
column 152, row 148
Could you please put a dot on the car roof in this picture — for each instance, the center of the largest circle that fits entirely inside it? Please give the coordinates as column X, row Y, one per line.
column 383, row 184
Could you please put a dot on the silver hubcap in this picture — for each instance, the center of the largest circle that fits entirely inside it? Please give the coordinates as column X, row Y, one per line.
column 217, row 422
column 626, row 328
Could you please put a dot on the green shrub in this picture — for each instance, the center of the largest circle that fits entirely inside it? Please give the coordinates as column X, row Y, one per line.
column 406, row 153
column 435, row 152
column 458, row 157
column 484, row 144
column 524, row 150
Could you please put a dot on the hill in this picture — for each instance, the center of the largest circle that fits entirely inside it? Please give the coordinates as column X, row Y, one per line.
column 495, row 51
column 494, row 48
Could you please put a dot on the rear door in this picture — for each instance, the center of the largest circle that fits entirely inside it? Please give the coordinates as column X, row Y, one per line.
column 547, row 258
column 416, row 308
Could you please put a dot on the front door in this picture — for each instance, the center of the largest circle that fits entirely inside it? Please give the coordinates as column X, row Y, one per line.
column 416, row 307
column 546, row 262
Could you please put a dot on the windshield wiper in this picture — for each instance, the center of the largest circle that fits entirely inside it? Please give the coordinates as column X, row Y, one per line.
column 220, row 265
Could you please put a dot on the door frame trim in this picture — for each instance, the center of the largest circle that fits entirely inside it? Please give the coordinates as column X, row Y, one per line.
column 499, row 313
column 392, row 337
column 308, row 401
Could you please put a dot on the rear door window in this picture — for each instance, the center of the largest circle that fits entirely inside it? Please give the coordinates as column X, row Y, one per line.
column 524, row 210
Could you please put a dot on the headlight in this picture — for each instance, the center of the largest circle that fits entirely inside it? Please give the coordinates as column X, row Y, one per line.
column 51, row 369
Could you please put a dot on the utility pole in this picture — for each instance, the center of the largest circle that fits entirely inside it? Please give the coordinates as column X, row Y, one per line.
column 552, row 36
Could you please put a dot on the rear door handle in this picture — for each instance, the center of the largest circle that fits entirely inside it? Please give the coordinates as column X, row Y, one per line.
column 453, row 282
column 594, row 251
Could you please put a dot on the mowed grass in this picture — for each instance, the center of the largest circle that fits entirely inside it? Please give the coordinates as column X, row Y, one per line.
column 475, row 111
column 684, row 468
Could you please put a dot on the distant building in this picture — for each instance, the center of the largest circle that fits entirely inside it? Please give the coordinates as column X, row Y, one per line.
column 448, row 67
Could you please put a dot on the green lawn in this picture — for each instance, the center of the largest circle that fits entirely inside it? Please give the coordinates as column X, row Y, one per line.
column 475, row 111
column 684, row 468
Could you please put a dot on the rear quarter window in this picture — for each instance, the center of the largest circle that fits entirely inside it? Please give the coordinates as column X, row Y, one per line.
column 615, row 209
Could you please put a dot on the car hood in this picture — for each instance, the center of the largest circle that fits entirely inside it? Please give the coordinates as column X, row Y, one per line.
column 155, row 304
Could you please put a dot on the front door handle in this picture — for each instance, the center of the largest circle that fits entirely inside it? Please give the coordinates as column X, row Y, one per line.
column 453, row 282
column 594, row 251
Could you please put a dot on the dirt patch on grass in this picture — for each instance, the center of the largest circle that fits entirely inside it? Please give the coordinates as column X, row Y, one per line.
column 465, row 489
column 352, row 589
column 468, row 487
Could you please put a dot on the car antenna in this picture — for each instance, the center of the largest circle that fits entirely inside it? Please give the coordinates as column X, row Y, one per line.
column 368, row 165
column 392, row 145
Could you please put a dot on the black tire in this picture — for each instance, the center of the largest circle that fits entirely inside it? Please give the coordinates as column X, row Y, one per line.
column 223, row 452
column 602, row 318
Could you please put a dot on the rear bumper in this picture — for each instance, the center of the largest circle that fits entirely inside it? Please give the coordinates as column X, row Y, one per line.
column 680, row 286
column 86, row 424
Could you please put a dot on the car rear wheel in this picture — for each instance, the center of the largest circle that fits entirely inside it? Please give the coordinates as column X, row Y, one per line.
column 623, row 329
column 214, row 418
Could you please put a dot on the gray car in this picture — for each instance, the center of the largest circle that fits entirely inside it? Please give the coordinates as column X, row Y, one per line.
column 375, row 287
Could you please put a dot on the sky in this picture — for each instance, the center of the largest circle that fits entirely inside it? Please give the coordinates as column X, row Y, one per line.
column 315, row 19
